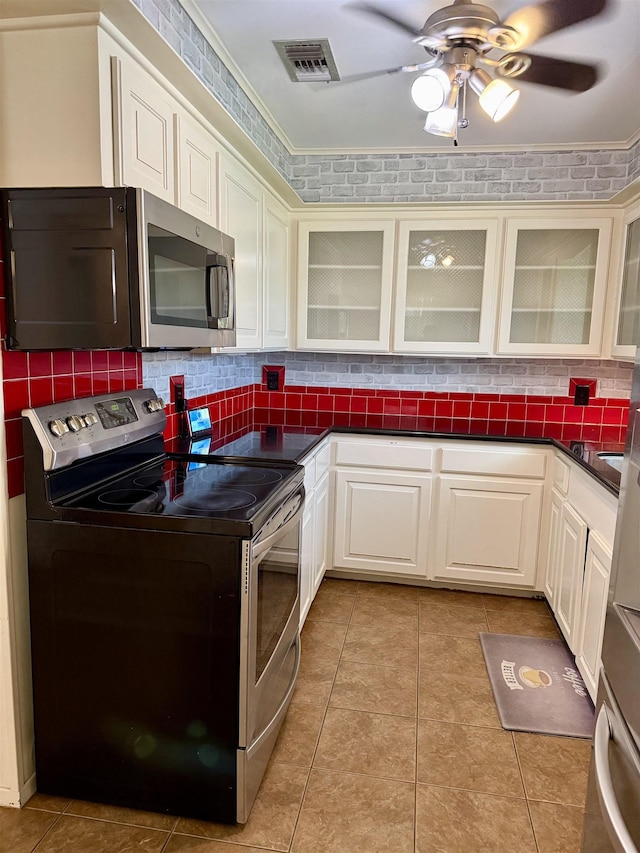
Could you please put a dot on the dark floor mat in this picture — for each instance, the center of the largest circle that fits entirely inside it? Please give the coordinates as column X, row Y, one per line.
column 537, row 686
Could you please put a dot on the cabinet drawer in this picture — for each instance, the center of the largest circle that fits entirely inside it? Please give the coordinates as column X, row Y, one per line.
column 499, row 462
column 389, row 453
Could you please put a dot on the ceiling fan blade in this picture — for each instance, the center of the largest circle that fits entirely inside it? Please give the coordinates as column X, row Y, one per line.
column 559, row 73
column 391, row 19
column 533, row 22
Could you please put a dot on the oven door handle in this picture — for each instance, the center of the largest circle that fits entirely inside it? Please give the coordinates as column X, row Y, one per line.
column 263, row 545
column 612, row 816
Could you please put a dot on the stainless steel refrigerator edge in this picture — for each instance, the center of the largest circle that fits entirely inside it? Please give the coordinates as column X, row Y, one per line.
column 612, row 813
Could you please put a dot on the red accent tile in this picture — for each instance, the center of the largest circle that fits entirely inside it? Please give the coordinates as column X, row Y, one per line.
column 498, row 411
column 358, row 404
column 408, row 408
column 294, row 401
column 99, row 360
column 62, row 388
column 115, row 360
column 82, row 362
column 293, row 417
column 573, row 414
column 375, row 406
column 15, row 476
column 100, row 382
column 15, row 365
column 16, row 397
column 13, row 429
column 62, row 362
column 571, row 432
column 342, row 404
column 462, row 409
column 444, row 408
column 555, row 414
column 517, row 411
column 535, row 413
column 612, row 416
column 553, row 430
column 358, row 419
column 408, row 422
column 533, row 429
column 341, row 392
column 41, row 391
column 131, row 360
column 391, row 421
column 477, row 426
column 325, row 419
column 309, row 418
column 496, row 427
column 427, row 408
column 131, row 378
column 479, row 410
column 116, row 381
column 82, row 385
column 515, row 428
column 391, row 406
column 611, row 433
column 442, row 424
column 341, row 419
column 39, row 364
column 593, row 414
column 262, row 399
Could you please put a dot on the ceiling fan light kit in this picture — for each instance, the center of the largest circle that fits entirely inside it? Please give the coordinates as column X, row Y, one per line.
column 459, row 37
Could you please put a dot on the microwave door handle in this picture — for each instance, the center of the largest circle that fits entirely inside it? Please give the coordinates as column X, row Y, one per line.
column 217, row 287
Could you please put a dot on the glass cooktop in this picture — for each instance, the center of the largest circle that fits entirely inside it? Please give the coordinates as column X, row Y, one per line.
column 188, row 488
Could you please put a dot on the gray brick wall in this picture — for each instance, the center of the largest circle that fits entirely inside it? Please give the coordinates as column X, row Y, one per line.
column 206, row 374
column 390, row 178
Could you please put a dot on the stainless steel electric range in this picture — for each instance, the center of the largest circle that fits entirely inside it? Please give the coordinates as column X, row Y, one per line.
column 164, row 594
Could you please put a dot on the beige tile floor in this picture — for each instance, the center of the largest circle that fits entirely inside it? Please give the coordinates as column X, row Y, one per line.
column 392, row 744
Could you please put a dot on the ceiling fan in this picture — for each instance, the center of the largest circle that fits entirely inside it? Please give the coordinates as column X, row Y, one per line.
column 465, row 39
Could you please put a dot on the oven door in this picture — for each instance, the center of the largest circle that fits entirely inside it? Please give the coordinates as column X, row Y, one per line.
column 269, row 641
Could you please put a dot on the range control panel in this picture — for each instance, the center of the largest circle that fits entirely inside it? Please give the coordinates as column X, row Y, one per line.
column 77, row 429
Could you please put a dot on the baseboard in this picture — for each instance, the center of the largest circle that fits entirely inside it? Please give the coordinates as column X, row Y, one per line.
column 17, row 799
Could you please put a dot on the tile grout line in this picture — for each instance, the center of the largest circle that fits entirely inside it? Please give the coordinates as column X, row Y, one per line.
column 324, row 717
column 524, row 788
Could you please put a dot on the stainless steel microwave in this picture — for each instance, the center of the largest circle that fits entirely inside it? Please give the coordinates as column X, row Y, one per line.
column 96, row 268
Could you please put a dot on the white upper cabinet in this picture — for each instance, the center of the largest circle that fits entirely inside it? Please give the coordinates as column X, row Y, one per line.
column 627, row 332
column 241, row 218
column 345, row 272
column 197, row 170
column 277, row 295
column 144, row 116
column 446, row 286
column 554, row 286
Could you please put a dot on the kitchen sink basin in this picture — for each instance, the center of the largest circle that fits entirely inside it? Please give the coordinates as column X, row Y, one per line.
column 615, row 460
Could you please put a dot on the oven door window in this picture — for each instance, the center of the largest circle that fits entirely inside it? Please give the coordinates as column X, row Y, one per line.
column 177, row 280
column 277, row 595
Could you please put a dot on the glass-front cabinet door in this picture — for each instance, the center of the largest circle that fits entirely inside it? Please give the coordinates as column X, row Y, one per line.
column 627, row 334
column 446, row 286
column 345, row 279
column 555, row 280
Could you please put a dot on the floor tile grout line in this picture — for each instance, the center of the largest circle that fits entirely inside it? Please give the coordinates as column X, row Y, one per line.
column 49, row 829
column 524, row 788
column 324, row 717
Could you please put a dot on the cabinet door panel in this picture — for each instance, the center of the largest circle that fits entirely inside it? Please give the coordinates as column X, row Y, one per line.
column 551, row 576
column 321, row 519
column 276, row 276
column 345, row 275
column 144, row 119
column 488, row 530
column 597, row 571
column 241, row 218
column 197, row 171
column 447, row 286
column 571, row 553
column 554, row 286
column 381, row 521
column 306, row 561
column 628, row 331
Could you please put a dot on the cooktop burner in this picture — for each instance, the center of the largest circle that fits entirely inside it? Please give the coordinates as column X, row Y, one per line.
column 126, row 497
column 215, row 500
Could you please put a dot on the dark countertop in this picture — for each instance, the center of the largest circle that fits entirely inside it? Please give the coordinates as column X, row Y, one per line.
column 292, row 444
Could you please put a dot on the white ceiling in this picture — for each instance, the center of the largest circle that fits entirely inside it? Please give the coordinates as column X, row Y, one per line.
column 378, row 114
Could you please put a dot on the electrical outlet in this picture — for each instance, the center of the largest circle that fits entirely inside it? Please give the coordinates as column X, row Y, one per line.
column 273, row 380
column 581, row 397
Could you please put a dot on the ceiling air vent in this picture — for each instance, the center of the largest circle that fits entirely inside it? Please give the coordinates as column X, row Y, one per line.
column 308, row 60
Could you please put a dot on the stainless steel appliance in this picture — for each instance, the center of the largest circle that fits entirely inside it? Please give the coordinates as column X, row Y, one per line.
column 92, row 268
column 164, row 595
column 612, row 815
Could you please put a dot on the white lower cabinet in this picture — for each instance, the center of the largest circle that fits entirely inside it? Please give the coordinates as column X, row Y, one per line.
column 488, row 530
column 313, row 545
column 382, row 521
column 595, row 591
column 551, row 572
column 572, row 542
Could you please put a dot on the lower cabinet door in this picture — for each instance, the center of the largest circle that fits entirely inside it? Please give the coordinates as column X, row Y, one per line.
column 382, row 522
column 306, row 559
column 487, row 530
column 552, row 568
column 595, row 591
column 571, row 552
column 320, row 531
